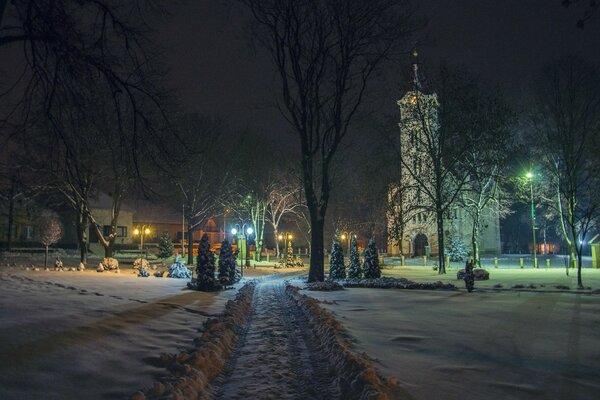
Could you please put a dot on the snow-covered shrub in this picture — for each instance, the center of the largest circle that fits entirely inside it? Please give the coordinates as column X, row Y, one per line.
column 337, row 269
column 324, row 286
column 140, row 262
column 179, row 270
column 354, row 269
column 370, row 268
column 110, row 263
column 143, row 273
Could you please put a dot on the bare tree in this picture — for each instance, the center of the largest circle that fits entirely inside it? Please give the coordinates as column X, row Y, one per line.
column 49, row 230
column 285, row 200
column 567, row 117
column 325, row 53
column 488, row 155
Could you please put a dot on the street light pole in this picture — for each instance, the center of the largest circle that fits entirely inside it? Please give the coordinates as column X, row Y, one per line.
column 530, row 177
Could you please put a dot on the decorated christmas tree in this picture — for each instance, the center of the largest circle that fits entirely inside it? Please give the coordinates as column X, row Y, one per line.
column 337, row 269
column 205, row 269
column 165, row 246
column 354, row 270
column 370, row 267
column 289, row 261
column 227, row 271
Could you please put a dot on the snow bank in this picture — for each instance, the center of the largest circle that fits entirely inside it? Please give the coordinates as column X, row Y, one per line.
column 192, row 371
column 395, row 283
column 357, row 376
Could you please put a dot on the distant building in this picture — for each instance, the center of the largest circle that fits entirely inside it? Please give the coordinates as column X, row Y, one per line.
column 420, row 229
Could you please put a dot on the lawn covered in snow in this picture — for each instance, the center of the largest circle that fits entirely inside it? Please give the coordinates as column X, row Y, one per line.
column 490, row 344
column 92, row 335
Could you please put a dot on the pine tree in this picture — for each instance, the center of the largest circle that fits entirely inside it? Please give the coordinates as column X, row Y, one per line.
column 456, row 249
column 227, row 262
column 337, row 269
column 354, row 270
column 206, row 267
column 370, row 267
column 165, row 246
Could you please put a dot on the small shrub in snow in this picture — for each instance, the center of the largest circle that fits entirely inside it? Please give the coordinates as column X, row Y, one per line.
column 140, row 262
column 110, row 263
column 354, row 269
column 179, row 270
column 143, row 273
column 370, row 268
column 324, row 286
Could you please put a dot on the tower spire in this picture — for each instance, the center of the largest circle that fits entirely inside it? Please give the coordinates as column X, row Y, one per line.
column 415, row 67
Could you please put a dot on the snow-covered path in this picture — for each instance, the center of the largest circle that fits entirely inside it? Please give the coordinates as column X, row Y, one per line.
column 277, row 356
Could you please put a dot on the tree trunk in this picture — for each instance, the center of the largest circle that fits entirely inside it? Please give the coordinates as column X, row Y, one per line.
column 46, row 257
column 475, row 239
column 108, row 248
column 276, row 241
column 316, row 272
column 82, row 226
column 190, row 237
column 440, row 232
column 579, row 280
column 11, row 211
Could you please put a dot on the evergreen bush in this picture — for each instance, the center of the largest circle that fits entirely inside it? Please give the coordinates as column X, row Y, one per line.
column 227, row 263
column 337, row 269
column 354, row 269
column 370, row 268
column 205, row 269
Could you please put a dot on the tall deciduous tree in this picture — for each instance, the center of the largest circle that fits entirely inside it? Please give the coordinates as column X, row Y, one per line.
column 326, row 53
column 285, row 200
column 567, row 117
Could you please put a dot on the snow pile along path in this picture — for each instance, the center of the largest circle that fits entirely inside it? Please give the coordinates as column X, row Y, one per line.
column 357, row 377
column 192, row 371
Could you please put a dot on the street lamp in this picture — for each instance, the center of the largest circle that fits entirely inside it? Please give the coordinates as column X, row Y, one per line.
column 349, row 236
column 529, row 177
column 245, row 232
column 142, row 231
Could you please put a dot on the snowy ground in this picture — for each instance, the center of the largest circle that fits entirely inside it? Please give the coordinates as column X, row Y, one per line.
column 97, row 335
column 491, row 344
column 93, row 335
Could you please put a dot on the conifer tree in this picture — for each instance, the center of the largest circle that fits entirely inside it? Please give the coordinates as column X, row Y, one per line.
column 370, row 267
column 337, row 269
column 165, row 246
column 206, row 267
column 354, row 269
column 227, row 271
column 290, row 262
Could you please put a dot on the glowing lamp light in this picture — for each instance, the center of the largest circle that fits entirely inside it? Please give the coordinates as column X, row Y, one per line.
column 280, row 237
column 249, row 231
column 529, row 175
column 343, row 237
column 136, row 231
column 147, row 231
column 233, row 231
column 290, row 236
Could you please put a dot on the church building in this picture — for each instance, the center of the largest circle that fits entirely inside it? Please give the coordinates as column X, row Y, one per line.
column 411, row 221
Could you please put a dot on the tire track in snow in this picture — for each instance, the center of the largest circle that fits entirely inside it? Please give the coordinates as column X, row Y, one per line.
column 277, row 356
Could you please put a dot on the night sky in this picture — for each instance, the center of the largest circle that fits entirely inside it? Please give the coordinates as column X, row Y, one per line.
column 213, row 63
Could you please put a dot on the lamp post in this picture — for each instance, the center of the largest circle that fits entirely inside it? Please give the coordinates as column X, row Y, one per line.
column 529, row 176
column 288, row 240
column 142, row 231
column 244, row 232
column 348, row 236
